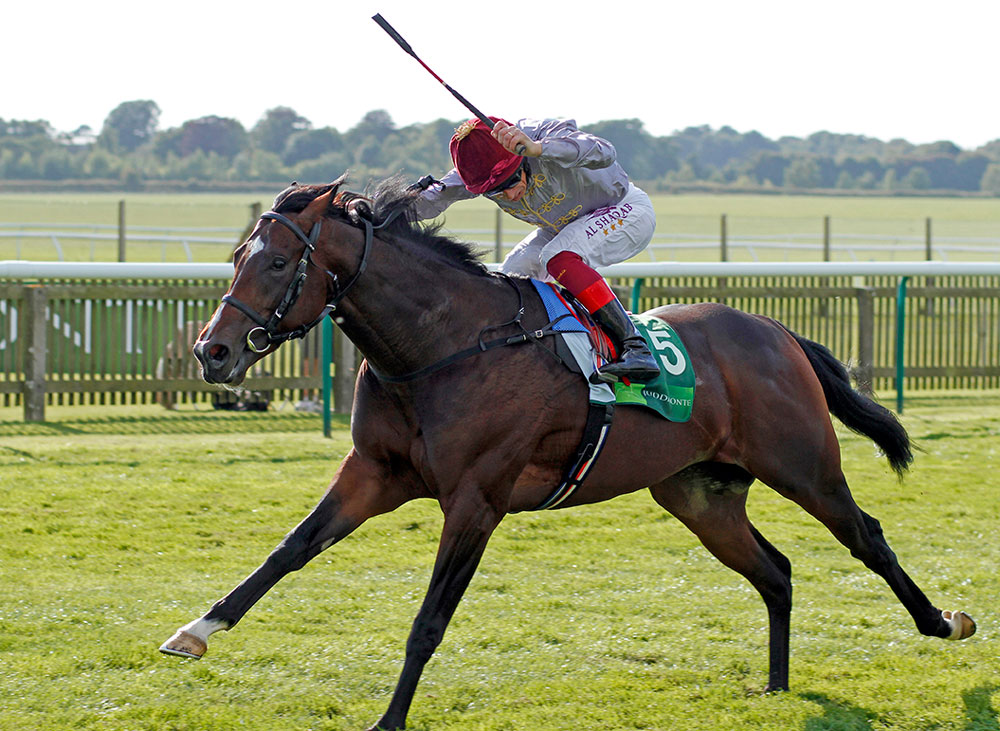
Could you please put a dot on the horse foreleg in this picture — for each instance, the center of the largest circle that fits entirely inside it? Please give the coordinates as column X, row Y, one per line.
column 468, row 526
column 358, row 492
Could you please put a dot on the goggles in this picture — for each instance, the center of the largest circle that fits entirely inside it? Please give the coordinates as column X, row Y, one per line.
column 505, row 185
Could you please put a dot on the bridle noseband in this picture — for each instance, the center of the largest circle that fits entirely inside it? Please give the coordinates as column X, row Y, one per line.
column 265, row 335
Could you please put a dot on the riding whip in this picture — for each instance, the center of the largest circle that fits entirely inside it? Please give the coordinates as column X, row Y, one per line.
column 409, row 49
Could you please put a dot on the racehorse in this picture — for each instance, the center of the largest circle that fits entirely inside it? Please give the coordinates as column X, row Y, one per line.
column 486, row 431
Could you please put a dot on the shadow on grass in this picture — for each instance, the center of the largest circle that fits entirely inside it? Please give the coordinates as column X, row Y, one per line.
column 838, row 715
column 979, row 710
column 216, row 422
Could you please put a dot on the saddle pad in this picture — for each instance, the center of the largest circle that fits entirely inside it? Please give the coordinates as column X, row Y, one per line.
column 556, row 308
column 672, row 394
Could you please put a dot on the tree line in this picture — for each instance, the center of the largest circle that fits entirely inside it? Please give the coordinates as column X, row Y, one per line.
column 132, row 152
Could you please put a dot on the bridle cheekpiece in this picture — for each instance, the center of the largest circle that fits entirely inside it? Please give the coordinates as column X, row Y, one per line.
column 266, row 335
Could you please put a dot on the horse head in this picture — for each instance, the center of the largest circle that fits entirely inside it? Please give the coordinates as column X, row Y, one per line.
column 281, row 286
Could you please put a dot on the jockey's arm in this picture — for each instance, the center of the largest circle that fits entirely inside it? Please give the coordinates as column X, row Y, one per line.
column 435, row 199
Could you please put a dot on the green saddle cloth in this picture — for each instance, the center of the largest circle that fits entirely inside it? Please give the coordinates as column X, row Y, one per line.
column 672, row 394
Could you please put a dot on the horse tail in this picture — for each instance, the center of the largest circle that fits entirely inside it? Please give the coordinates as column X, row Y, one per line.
column 858, row 413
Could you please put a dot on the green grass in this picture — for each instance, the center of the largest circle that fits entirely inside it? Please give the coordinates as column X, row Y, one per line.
column 118, row 525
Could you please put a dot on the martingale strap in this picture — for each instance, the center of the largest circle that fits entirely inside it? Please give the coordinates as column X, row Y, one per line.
column 595, row 433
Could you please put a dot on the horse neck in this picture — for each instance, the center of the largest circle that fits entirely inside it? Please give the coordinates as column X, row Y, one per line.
column 411, row 307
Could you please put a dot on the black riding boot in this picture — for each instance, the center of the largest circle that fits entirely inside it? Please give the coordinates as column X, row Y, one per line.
column 635, row 362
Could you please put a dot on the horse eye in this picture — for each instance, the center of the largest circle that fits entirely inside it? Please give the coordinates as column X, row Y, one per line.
column 279, row 263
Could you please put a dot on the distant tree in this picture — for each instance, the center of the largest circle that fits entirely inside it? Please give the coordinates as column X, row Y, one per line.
column 768, row 167
column 198, row 165
column 82, row 136
column 867, row 181
column 275, row 128
column 991, row 179
column 727, row 146
column 944, row 148
column 684, row 174
column 971, row 168
column 168, row 143
column 846, row 181
column 802, row 172
column 130, row 125
column 323, row 169
column 637, row 150
column 21, row 166
column 257, row 165
column 377, row 125
column 24, row 128
column 426, row 151
column 890, row 180
column 311, row 144
column 897, row 149
column 56, row 164
column 370, row 154
column 101, row 164
column 225, row 137
column 917, row 179
column 859, row 167
column 991, row 150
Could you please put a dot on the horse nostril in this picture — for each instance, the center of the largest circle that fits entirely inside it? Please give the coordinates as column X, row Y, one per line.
column 218, row 353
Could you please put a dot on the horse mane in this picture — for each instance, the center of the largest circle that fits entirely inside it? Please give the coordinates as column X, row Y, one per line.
column 387, row 197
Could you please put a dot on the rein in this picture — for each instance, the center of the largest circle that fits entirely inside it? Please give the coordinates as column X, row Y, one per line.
column 265, row 335
column 525, row 336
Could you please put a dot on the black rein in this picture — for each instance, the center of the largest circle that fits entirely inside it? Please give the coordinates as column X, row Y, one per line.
column 265, row 335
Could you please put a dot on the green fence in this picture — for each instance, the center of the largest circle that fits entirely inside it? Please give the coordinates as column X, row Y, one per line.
column 118, row 342
column 951, row 324
column 66, row 343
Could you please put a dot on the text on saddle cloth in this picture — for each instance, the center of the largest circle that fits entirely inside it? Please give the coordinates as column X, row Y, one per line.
column 671, row 395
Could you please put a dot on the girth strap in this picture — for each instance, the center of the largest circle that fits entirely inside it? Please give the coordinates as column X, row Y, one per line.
column 595, row 432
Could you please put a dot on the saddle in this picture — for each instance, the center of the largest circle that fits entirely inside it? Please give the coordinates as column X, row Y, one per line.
column 583, row 348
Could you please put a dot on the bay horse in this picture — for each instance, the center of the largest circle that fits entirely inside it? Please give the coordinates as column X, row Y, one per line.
column 487, row 431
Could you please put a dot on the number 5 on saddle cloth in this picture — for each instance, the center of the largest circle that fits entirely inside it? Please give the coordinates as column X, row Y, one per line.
column 671, row 395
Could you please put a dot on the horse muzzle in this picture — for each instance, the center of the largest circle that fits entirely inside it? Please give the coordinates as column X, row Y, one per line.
column 219, row 363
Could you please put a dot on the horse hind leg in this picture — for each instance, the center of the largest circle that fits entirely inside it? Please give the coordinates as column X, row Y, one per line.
column 710, row 499
column 828, row 498
column 868, row 545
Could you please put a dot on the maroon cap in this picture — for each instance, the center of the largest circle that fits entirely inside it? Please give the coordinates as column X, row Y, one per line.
column 481, row 161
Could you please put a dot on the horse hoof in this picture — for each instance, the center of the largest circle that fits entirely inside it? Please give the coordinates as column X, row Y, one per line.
column 962, row 625
column 184, row 644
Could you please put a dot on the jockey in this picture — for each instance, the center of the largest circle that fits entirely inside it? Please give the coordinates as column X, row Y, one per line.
column 568, row 184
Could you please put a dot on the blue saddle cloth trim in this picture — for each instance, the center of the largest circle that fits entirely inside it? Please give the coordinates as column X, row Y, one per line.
column 556, row 308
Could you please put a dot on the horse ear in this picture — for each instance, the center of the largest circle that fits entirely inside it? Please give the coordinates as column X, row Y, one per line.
column 320, row 205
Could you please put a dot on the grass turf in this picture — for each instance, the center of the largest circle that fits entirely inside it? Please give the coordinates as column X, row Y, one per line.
column 118, row 525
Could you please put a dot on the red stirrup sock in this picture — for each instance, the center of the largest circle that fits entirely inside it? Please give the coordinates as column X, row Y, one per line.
column 589, row 287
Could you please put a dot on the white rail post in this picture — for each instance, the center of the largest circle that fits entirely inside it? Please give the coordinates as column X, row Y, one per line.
column 498, row 238
column 121, row 230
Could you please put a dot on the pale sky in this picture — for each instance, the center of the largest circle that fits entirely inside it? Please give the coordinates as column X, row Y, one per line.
column 920, row 70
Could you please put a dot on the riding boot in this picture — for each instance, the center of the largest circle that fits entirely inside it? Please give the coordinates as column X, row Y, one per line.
column 635, row 362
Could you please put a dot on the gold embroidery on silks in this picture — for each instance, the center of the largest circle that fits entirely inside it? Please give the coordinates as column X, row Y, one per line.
column 570, row 215
column 535, row 184
column 464, row 129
